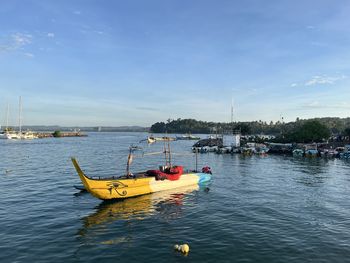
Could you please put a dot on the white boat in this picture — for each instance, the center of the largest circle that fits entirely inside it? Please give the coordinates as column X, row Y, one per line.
column 10, row 135
column 17, row 135
column 187, row 137
column 28, row 135
column 151, row 139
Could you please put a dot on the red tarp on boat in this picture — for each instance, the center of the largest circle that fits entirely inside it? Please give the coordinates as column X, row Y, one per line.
column 171, row 174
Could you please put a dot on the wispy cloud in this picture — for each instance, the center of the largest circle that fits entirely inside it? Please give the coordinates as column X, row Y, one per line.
column 147, row 109
column 323, row 80
column 77, row 12
column 51, row 35
column 15, row 41
column 320, row 80
column 318, row 105
column 29, row 55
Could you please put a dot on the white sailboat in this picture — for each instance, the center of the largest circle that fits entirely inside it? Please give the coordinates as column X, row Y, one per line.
column 8, row 133
column 24, row 135
column 14, row 135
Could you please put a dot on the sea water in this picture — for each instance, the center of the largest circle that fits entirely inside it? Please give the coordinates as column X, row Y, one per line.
column 255, row 209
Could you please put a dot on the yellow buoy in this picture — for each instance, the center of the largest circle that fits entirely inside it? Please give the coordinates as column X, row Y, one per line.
column 185, row 248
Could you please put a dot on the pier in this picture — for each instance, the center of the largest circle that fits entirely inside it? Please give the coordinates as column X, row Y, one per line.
column 58, row 134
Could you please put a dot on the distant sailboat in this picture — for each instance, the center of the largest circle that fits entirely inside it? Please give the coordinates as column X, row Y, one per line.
column 26, row 135
column 8, row 133
column 13, row 135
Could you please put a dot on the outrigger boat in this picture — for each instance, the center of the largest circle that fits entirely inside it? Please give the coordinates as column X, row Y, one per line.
column 129, row 185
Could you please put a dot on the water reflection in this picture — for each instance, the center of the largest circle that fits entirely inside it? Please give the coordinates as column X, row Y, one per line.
column 165, row 204
column 311, row 172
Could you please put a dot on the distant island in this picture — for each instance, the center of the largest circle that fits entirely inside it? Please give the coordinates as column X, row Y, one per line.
column 307, row 130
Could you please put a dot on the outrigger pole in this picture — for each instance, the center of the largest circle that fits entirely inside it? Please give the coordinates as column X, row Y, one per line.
column 167, row 153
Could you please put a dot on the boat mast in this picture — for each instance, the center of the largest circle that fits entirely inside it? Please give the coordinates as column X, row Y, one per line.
column 7, row 116
column 20, row 117
column 231, row 110
column 129, row 162
column 167, row 153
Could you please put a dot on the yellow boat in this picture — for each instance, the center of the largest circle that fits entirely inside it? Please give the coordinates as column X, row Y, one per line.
column 138, row 184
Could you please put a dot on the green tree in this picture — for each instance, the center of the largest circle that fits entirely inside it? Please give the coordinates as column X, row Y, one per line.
column 158, row 127
column 310, row 131
column 56, row 134
column 347, row 131
column 244, row 128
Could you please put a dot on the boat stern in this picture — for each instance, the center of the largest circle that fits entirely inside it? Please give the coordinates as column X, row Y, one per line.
column 204, row 177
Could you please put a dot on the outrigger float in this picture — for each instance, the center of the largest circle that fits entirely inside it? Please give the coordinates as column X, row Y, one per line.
column 129, row 185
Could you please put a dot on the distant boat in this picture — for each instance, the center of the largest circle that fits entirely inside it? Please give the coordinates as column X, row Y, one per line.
column 311, row 150
column 152, row 139
column 328, row 153
column 298, row 153
column 17, row 135
column 10, row 135
column 346, row 153
column 187, row 137
column 165, row 138
column 29, row 135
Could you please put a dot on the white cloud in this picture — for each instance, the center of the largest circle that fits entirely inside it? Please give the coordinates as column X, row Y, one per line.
column 21, row 39
column 50, row 35
column 294, row 85
column 15, row 41
column 29, row 55
column 323, row 80
column 318, row 105
column 77, row 12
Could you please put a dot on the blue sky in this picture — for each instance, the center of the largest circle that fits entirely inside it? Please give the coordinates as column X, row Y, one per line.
column 134, row 62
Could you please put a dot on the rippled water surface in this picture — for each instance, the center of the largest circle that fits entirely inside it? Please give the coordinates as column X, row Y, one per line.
column 270, row 209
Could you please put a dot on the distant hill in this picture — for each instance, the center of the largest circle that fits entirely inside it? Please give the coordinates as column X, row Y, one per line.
column 334, row 124
column 52, row 128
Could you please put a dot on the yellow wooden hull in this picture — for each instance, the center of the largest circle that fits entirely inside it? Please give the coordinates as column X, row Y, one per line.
column 120, row 188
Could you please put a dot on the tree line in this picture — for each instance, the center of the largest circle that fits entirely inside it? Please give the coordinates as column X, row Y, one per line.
column 308, row 130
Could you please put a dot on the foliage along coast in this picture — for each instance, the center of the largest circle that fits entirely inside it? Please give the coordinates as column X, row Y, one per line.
column 299, row 131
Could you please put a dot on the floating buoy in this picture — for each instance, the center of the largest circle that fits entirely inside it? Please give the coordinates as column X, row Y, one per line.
column 185, row 248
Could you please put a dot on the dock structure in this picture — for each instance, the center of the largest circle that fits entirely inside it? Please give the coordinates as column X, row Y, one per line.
column 210, row 142
column 43, row 135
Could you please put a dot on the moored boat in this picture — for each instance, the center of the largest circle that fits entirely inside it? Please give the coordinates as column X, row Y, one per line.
column 298, row 153
column 346, row 153
column 151, row 139
column 187, row 137
column 10, row 135
column 140, row 183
